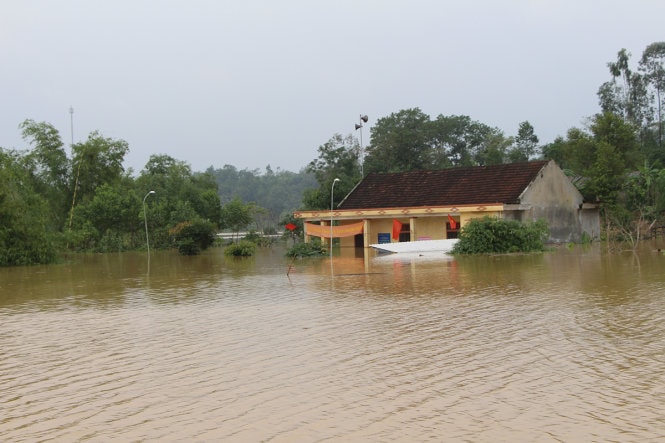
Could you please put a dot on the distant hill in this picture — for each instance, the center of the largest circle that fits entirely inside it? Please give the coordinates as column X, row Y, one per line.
column 280, row 192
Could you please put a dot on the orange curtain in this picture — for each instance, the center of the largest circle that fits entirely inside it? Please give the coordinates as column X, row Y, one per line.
column 337, row 231
column 397, row 228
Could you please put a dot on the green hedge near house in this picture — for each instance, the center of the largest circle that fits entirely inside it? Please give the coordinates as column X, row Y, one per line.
column 489, row 235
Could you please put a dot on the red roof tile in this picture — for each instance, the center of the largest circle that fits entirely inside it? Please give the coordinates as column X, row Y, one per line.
column 446, row 187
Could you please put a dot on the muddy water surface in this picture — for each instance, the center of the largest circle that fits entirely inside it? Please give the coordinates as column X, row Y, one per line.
column 563, row 346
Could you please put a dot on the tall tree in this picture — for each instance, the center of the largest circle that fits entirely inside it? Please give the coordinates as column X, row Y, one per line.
column 625, row 94
column 603, row 154
column 526, row 143
column 457, row 140
column 495, row 150
column 652, row 66
column 637, row 96
column 97, row 161
column 48, row 166
column 409, row 140
column 236, row 215
column 181, row 198
column 400, row 142
column 25, row 235
column 47, row 160
column 338, row 158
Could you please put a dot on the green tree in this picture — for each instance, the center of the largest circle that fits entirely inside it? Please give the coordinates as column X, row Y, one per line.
column 97, row 161
column 603, row 154
column 526, row 143
column 637, row 97
column 625, row 94
column 25, row 234
column 48, row 167
column 400, row 142
column 621, row 135
column 556, row 150
column 279, row 192
column 48, row 160
column 236, row 215
column 108, row 221
column 457, row 140
column 652, row 66
column 494, row 149
column 409, row 140
column 639, row 206
column 338, row 158
column 181, row 198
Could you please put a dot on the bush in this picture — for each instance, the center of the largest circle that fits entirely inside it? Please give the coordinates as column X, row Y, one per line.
column 310, row 249
column 244, row 248
column 111, row 241
column 192, row 237
column 495, row 235
column 188, row 246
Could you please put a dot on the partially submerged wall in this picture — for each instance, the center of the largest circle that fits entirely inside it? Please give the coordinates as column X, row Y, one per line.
column 552, row 197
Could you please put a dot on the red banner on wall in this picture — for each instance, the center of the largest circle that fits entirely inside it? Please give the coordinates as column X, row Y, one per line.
column 453, row 224
column 337, row 231
column 397, row 228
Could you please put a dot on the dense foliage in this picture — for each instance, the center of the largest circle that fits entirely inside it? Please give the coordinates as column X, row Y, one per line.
column 272, row 194
column 192, row 237
column 495, row 235
column 26, row 233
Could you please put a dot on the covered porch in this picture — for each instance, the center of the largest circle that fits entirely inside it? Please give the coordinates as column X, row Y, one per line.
column 361, row 228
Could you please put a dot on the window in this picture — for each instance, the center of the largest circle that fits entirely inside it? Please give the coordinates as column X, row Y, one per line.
column 452, row 233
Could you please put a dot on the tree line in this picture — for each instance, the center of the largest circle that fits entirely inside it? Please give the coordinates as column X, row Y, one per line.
column 51, row 203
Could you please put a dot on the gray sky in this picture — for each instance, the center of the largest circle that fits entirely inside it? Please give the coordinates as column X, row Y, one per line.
column 256, row 82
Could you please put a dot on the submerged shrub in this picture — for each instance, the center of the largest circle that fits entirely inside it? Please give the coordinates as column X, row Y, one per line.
column 244, row 248
column 310, row 249
column 496, row 235
column 192, row 237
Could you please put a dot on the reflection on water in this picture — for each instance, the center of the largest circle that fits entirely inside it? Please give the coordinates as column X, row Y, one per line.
column 563, row 346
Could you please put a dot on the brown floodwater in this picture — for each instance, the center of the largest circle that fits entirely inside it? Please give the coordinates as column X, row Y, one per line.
column 568, row 345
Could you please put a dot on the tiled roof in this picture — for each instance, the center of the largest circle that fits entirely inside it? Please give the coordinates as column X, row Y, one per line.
column 444, row 187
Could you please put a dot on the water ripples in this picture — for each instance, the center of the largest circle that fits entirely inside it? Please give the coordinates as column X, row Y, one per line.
column 387, row 352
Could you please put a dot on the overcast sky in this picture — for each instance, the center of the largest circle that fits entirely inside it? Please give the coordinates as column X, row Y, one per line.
column 258, row 82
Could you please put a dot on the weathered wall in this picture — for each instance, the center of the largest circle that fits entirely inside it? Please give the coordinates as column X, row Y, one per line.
column 430, row 228
column 551, row 196
column 380, row 226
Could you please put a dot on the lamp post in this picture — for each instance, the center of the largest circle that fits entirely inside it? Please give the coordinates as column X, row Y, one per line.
column 145, row 219
column 363, row 119
column 332, row 188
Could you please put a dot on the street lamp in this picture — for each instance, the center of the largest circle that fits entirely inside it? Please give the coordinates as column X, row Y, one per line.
column 332, row 188
column 363, row 119
column 145, row 219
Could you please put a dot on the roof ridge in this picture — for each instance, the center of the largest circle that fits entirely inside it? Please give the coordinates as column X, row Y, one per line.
column 502, row 183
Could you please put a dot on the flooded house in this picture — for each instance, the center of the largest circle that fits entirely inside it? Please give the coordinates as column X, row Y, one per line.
column 436, row 204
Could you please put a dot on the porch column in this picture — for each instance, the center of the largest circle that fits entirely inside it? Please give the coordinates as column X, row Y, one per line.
column 325, row 241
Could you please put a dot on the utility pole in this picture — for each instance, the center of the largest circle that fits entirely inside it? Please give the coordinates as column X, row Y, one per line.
column 78, row 172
